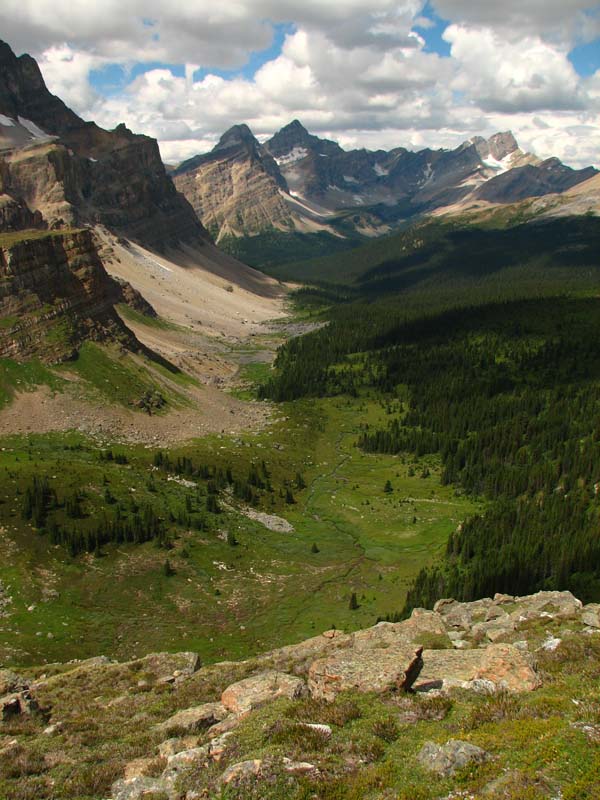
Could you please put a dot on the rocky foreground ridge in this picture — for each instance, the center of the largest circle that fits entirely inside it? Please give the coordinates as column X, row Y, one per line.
column 462, row 701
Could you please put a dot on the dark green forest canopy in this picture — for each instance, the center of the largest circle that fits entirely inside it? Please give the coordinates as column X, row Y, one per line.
column 500, row 371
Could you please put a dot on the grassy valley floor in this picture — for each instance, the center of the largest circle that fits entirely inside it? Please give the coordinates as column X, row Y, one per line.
column 222, row 599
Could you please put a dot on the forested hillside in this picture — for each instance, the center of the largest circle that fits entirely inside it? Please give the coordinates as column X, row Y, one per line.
column 499, row 374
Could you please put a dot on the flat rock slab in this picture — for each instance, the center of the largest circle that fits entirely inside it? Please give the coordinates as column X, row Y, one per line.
column 446, row 759
column 366, row 670
column 260, row 689
column 418, row 629
column 591, row 615
column 493, row 668
column 192, row 720
column 237, row 773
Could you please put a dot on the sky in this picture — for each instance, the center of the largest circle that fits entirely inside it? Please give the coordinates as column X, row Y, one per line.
column 367, row 73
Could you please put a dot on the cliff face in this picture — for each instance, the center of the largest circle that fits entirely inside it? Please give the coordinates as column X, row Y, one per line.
column 74, row 172
column 54, row 293
column 236, row 190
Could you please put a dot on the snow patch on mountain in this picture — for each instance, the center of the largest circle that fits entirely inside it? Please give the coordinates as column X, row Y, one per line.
column 350, row 179
column 33, row 129
column 295, row 155
column 300, row 201
column 6, row 121
column 501, row 166
column 380, row 171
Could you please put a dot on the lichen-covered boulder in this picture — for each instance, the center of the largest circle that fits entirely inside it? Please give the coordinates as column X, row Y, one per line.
column 446, row 759
column 493, row 668
column 192, row 720
column 369, row 670
column 259, row 689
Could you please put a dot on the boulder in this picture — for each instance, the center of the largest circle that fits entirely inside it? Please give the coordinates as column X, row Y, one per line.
column 446, row 759
column 237, row 773
column 462, row 616
column 176, row 744
column 550, row 605
column 591, row 615
column 259, row 689
column 418, row 629
column 16, row 703
column 371, row 670
column 138, row 789
column 495, row 667
column 298, row 767
column 10, row 682
column 494, row 630
column 303, row 654
column 192, row 720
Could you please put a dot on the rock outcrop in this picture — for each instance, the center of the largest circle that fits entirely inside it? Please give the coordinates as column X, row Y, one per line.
column 236, row 189
column 55, row 293
column 328, row 708
column 72, row 172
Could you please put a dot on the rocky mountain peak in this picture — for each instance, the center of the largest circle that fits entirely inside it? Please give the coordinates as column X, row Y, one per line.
column 77, row 173
column 234, row 137
column 498, row 146
column 289, row 137
column 502, row 144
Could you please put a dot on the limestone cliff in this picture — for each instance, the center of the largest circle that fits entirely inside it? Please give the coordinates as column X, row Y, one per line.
column 73, row 172
column 54, row 293
column 236, row 189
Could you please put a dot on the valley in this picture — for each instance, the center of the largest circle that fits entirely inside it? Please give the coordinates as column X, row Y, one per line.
column 299, row 454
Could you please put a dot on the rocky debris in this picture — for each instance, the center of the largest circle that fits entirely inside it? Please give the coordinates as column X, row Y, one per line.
column 15, row 696
column 192, row 720
column 5, row 601
column 378, row 669
column 138, row 789
column 489, row 669
column 446, row 759
column 237, row 773
column 259, row 689
column 10, row 682
column 591, row 615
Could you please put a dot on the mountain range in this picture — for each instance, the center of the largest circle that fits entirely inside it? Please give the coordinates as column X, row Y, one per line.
column 298, row 182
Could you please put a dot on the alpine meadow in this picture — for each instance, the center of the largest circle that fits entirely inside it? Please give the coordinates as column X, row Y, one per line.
column 299, row 400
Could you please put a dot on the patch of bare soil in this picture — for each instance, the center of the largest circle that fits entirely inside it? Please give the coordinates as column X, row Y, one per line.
column 42, row 411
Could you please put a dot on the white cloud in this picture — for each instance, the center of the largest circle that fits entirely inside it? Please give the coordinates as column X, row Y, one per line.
column 499, row 75
column 356, row 70
column 562, row 22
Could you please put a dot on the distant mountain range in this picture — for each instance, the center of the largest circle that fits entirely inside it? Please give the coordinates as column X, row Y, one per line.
column 298, row 182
